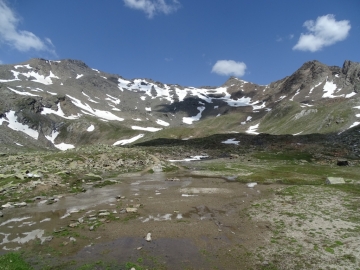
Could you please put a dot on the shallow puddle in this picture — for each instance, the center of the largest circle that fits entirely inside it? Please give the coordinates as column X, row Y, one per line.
column 184, row 216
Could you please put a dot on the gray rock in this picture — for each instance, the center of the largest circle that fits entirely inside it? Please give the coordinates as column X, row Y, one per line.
column 104, row 214
column 73, row 225
column 334, row 180
column 7, row 205
column 22, row 204
column 148, row 237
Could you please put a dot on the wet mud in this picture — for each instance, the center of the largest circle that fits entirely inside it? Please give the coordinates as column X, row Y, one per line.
column 195, row 223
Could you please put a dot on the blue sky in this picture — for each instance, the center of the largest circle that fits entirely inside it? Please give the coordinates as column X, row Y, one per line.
column 188, row 42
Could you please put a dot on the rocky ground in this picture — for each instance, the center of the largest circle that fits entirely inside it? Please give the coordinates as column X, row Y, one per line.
column 104, row 207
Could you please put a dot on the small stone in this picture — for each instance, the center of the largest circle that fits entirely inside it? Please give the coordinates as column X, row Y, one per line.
column 43, row 202
column 72, row 239
column 251, row 185
column 73, row 225
column 148, row 237
column 91, row 228
column 48, row 239
column 7, row 205
column 131, row 210
column 139, row 248
column 104, row 214
column 1, row 214
column 22, row 204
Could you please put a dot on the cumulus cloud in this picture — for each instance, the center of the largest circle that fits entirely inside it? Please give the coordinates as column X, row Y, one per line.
column 19, row 39
column 153, row 7
column 325, row 31
column 229, row 68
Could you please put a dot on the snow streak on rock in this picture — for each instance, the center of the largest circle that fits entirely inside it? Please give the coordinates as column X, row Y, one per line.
column 252, row 129
column 151, row 129
column 15, row 125
column 133, row 139
column 22, row 93
column 162, row 123
column 94, row 112
column 59, row 112
column 190, row 120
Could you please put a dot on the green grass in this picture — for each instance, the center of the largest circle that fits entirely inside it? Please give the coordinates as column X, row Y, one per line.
column 288, row 155
column 13, row 261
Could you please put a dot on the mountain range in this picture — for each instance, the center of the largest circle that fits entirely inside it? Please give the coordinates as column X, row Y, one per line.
column 66, row 104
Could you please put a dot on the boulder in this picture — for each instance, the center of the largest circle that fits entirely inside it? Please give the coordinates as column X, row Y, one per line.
column 334, row 180
column 342, row 162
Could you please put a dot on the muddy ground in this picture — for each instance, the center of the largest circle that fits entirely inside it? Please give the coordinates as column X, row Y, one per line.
column 195, row 222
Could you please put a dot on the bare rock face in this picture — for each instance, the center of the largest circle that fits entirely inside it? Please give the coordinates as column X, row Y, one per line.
column 351, row 70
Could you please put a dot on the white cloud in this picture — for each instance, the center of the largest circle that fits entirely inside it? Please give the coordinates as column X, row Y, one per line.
column 19, row 39
column 325, row 31
column 229, row 67
column 153, row 7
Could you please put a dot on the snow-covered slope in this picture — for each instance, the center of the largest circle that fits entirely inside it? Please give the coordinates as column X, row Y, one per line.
column 67, row 103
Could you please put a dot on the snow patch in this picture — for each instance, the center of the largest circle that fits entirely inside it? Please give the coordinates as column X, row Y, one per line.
column 22, row 93
column 23, row 66
column 297, row 92
column 252, row 129
column 312, row 89
column 350, row 95
column 162, row 123
column 78, row 76
column 133, row 139
column 91, row 128
column 64, row 146
column 59, row 112
column 94, row 112
column 329, row 89
column 17, row 126
column 354, row 124
column 151, row 129
column 190, row 120
column 89, row 98
column 112, row 99
column 231, row 141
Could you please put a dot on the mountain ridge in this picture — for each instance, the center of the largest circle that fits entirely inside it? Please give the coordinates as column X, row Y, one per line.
column 60, row 101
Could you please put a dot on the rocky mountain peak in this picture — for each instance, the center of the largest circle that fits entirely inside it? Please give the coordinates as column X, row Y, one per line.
column 70, row 104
